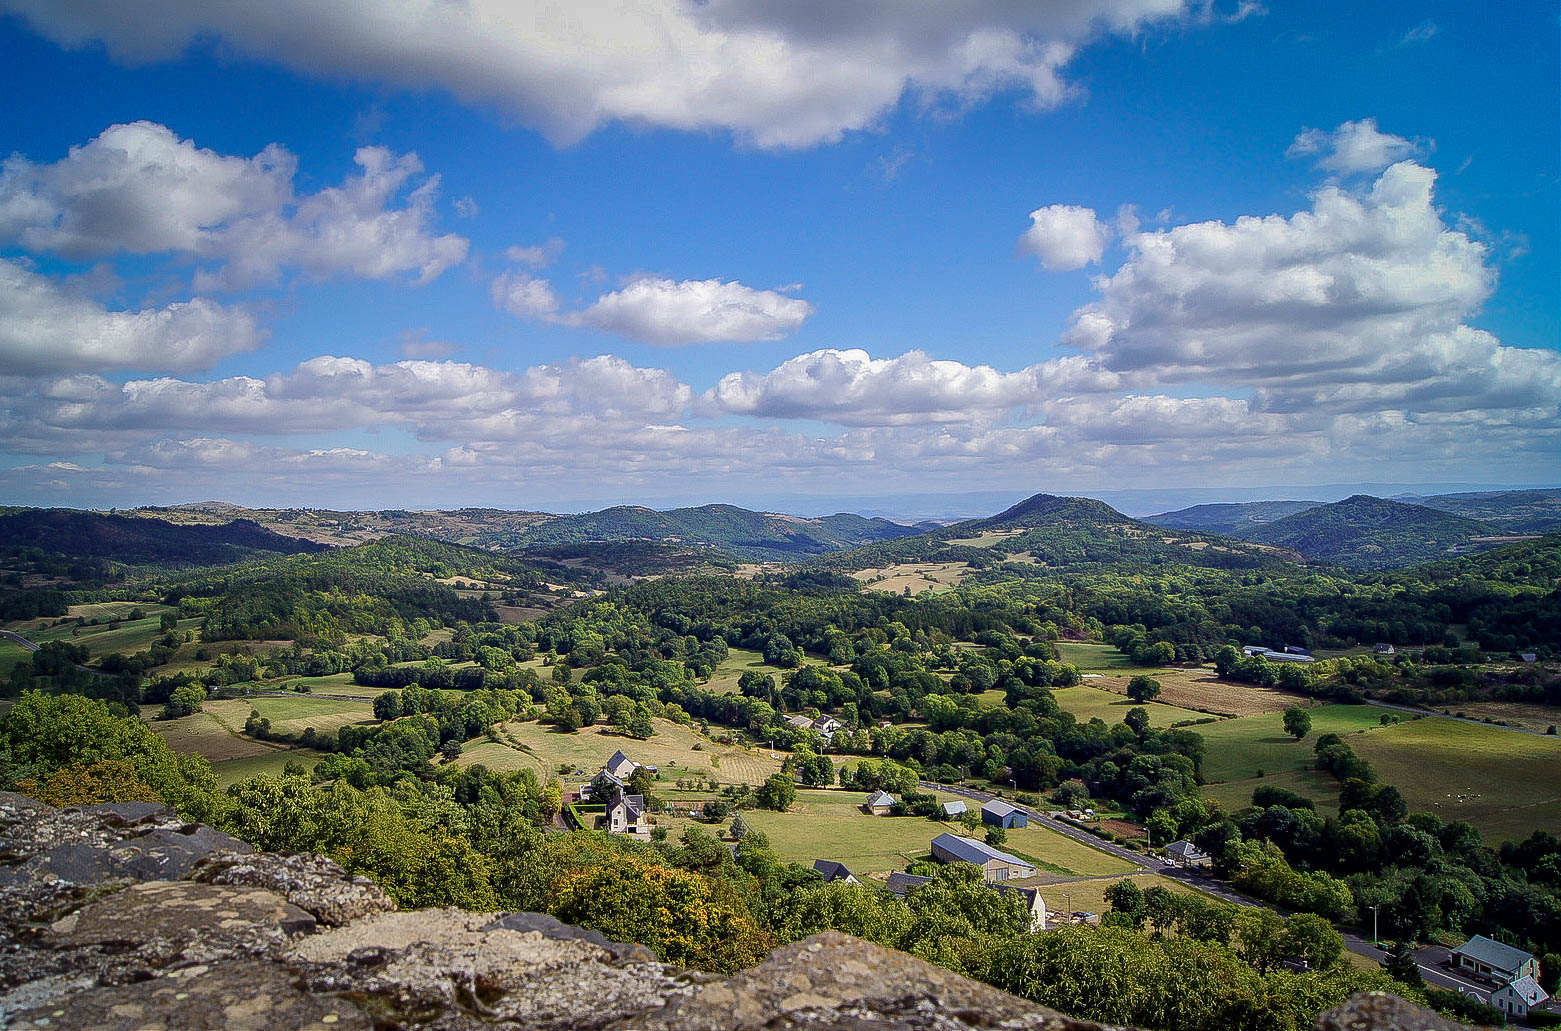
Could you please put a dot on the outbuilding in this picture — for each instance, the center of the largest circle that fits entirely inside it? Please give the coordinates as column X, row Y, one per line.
column 998, row 813
column 996, row 865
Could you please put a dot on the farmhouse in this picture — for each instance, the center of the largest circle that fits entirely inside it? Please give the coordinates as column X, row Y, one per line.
column 879, row 803
column 1493, row 961
column 1000, row 814
column 954, row 809
column 1185, row 853
column 614, row 777
column 626, row 815
column 997, row 865
column 1383, row 649
column 902, row 884
column 1516, row 998
column 824, row 726
column 833, row 871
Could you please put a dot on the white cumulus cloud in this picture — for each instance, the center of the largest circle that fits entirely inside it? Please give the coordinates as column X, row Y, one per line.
column 779, row 74
column 1065, row 237
column 694, row 311
column 138, row 188
column 45, row 329
column 1353, row 148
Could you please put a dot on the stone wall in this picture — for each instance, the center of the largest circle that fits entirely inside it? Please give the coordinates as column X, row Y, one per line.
column 122, row 916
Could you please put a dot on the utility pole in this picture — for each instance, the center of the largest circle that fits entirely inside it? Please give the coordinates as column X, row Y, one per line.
column 1374, row 925
column 1067, row 900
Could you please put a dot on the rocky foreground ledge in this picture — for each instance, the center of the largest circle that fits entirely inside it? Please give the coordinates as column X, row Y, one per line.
column 123, row 916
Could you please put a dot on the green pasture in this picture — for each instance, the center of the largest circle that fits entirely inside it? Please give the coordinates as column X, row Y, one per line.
column 1092, row 656
column 269, row 764
column 1320, row 787
column 1506, row 783
column 1238, row 749
column 1086, row 703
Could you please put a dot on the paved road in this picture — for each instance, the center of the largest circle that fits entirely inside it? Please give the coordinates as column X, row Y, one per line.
column 1456, row 719
column 19, row 639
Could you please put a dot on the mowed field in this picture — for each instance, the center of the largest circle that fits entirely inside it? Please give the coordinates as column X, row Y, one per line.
column 671, row 750
column 1087, row 703
column 292, row 714
column 1094, row 657
column 1505, row 783
column 1238, row 749
column 737, row 662
column 1203, row 691
column 270, row 764
column 205, row 734
column 913, row 577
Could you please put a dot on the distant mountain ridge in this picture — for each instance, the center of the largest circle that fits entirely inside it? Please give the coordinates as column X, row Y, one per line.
column 1509, row 511
column 737, row 531
column 142, row 541
column 1234, row 519
column 1060, row 534
column 1363, row 532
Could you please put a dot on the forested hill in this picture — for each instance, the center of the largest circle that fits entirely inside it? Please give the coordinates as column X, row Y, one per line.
column 132, row 541
column 1233, row 519
column 1363, row 532
column 738, row 531
column 1049, row 534
column 371, row 588
column 1513, row 511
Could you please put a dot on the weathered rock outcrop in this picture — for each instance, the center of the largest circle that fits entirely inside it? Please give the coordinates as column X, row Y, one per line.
column 122, row 916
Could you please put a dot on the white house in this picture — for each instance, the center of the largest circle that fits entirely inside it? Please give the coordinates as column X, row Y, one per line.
column 626, row 815
column 1516, row 998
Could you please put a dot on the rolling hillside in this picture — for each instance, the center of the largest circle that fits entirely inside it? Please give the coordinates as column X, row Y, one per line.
column 138, row 541
column 737, row 531
column 1045, row 532
column 1363, row 532
column 1233, row 519
column 1511, row 511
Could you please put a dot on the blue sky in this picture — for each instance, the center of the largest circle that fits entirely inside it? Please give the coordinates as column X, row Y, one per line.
column 779, row 254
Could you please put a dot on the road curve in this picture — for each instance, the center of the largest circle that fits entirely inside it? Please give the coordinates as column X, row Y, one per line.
column 19, row 639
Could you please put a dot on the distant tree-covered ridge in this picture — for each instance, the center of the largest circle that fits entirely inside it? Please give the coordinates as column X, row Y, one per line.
column 1060, row 534
column 1363, row 532
column 753, row 535
column 132, row 541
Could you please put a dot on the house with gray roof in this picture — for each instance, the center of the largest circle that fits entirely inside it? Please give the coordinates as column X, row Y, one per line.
column 1001, row 814
column 833, row 871
column 879, row 803
column 626, row 815
column 995, row 864
column 1516, row 998
column 902, row 884
column 1185, row 853
column 1492, row 961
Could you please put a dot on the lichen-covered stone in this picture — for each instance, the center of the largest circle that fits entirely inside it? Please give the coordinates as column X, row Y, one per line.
column 310, row 882
column 448, row 969
column 833, row 980
column 243, row 996
column 1379, row 1011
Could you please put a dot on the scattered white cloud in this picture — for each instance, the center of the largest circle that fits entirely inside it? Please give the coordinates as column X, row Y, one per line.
column 466, row 207
column 138, row 188
column 1421, row 33
column 1065, row 237
column 852, row 388
column 538, row 255
column 778, row 74
column 658, row 311
column 415, row 343
column 524, row 296
column 1353, row 148
column 45, row 328
column 704, row 311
